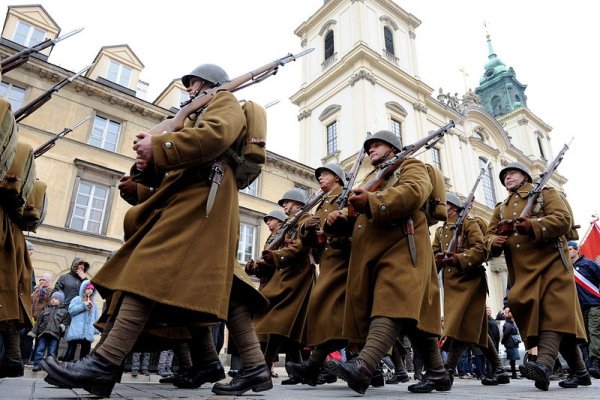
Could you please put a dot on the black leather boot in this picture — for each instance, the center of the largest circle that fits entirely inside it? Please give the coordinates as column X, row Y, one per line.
column 305, row 372
column 539, row 373
column 500, row 376
column 326, row 376
column 595, row 368
column 377, row 380
column 11, row 368
column 93, row 373
column 439, row 382
column 578, row 378
column 356, row 372
column 197, row 376
column 257, row 379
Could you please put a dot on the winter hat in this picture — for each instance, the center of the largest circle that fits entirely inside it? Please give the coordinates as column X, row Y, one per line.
column 573, row 245
column 47, row 276
column 29, row 245
column 90, row 286
column 59, row 295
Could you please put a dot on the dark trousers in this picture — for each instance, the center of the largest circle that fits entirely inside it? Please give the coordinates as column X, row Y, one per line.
column 45, row 343
column 72, row 348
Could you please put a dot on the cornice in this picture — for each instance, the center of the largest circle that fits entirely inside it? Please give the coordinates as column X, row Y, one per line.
column 282, row 163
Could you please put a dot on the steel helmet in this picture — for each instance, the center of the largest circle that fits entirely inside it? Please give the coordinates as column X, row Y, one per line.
column 385, row 136
column 453, row 199
column 277, row 214
column 519, row 167
column 336, row 169
column 209, row 72
column 294, row 195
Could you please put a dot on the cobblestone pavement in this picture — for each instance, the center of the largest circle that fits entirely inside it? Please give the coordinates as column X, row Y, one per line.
column 32, row 386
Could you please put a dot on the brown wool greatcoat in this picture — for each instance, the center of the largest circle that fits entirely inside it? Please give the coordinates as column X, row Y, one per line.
column 174, row 254
column 382, row 280
column 326, row 305
column 542, row 293
column 288, row 291
column 15, row 273
column 465, row 317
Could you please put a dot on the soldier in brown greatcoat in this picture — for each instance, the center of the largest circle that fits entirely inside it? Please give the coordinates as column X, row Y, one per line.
column 386, row 293
column 170, row 240
column 465, row 318
column 15, row 272
column 541, row 282
column 326, row 305
column 288, row 290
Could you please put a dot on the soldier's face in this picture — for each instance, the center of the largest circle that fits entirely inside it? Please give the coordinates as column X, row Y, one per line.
column 274, row 224
column 291, row 207
column 196, row 86
column 513, row 179
column 327, row 180
column 379, row 151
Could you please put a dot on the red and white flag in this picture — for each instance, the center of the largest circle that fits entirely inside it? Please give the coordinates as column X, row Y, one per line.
column 590, row 245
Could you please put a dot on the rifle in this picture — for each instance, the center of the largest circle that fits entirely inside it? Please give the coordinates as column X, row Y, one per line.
column 387, row 168
column 28, row 109
column 201, row 100
column 291, row 222
column 50, row 143
column 342, row 199
column 541, row 181
column 465, row 211
column 22, row 56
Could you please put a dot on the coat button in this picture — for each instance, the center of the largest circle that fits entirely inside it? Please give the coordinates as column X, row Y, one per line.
column 514, row 213
column 383, row 207
column 168, row 145
column 378, row 195
column 544, row 229
column 518, row 246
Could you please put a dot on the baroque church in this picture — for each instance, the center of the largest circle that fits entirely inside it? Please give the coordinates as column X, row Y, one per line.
column 356, row 81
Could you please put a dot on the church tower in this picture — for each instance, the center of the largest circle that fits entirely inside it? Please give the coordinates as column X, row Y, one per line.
column 499, row 90
column 363, row 76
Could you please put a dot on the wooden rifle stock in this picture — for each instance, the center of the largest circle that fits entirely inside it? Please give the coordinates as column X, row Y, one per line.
column 197, row 103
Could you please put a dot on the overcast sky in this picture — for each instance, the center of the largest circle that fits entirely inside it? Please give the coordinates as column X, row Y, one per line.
column 551, row 46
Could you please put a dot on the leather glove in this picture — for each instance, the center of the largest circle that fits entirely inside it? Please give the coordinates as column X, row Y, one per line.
column 249, row 268
column 523, row 226
column 263, row 270
column 128, row 189
column 267, row 256
column 360, row 200
column 498, row 242
column 451, row 260
column 313, row 223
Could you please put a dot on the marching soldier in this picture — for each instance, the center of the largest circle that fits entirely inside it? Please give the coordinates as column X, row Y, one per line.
column 327, row 298
column 15, row 268
column 465, row 319
column 288, row 290
column 392, row 284
column 172, row 239
column 540, row 275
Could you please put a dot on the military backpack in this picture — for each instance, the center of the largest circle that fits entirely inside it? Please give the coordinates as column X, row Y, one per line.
column 248, row 151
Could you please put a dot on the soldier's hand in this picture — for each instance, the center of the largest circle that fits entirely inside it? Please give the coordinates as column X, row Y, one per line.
column 249, row 268
column 334, row 217
column 127, row 188
column 313, row 223
column 263, row 270
column 499, row 241
column 523, row 225
column 143, row 147
column 267, row 256
column 359, row 200
column 451, row 260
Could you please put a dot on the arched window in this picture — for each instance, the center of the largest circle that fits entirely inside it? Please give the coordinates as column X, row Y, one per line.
column 329, row 48
column 388, row 37
column 487, row 182
column 541, row 147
